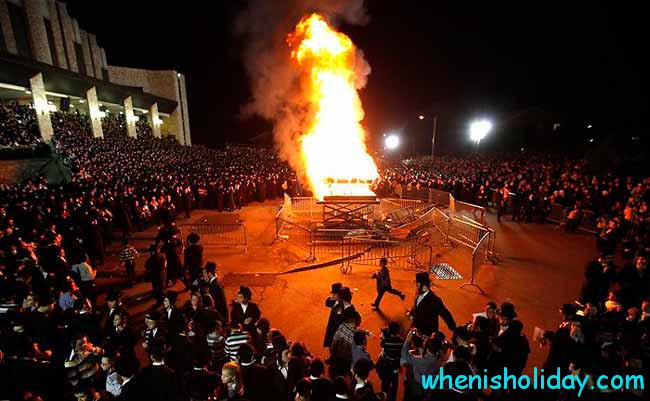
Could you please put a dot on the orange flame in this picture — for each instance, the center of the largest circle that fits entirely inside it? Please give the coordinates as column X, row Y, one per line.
column 333, row 149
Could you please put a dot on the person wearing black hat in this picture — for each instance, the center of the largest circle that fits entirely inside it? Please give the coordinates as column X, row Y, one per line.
column 428, row 307
column 172, row 317
column 157, row 381
column 112, row 307
column 512, row 348
column 382, row 276
column 336, row 308
column 258, row 376
column 156, row 267
column 193, row 256
column 152, row 332
column 244, row 311
column 215, row 288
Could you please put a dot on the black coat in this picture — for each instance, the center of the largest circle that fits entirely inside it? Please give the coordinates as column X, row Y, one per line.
column 199, row 384
column 322, row 389
column 258, row 383
column 174, row 323
column 238, row 316
column 215, row 288
column 158, row 383
column 333, row 322
column 426, row 313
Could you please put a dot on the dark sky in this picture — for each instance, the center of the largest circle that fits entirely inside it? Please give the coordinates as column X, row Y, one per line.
column 582, row 60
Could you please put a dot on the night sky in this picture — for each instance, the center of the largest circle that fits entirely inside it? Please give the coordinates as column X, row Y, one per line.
column 581, row 62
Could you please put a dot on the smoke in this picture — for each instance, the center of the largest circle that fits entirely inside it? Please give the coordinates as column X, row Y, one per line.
column 276, row 82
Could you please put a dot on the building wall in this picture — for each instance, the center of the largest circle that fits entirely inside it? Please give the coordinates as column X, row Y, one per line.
column 68, row 37
column 96, row 54
column 57, row 34
column 35, row 11
column 85, row 44
column 7, row 29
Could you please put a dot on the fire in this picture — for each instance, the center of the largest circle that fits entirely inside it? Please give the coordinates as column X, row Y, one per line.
column 333, row 149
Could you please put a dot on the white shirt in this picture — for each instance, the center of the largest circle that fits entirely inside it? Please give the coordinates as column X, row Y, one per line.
column 420, row 297
column 112, row 385
column 243, row 307
column 359, row 385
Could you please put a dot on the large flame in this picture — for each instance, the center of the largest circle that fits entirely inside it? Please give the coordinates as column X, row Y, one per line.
column 333, row 149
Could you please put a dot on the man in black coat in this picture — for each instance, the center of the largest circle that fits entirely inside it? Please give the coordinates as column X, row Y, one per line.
column 258, row 379
column 336, row 308
column 322, row 388
column 156, row 267
column 157, row 381
column 127, row 369
column 244, row 311
column 215, row 288
column 193, row 258
column 428, row 307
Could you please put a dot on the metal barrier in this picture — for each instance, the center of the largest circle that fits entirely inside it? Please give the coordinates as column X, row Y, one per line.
column 217, row 234
column 412, row 256
column 476, row 211
column 557, row 214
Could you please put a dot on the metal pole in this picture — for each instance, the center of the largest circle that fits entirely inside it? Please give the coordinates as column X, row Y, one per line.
column 433, row 136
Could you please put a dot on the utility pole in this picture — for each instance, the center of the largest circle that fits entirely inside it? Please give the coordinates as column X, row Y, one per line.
column 433, row 136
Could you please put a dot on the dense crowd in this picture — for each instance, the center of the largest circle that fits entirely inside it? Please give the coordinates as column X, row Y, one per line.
column 18, row 125
column 56, row 338
column 529, row 186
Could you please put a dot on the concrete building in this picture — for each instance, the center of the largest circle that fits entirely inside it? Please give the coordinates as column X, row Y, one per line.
column 48, row 60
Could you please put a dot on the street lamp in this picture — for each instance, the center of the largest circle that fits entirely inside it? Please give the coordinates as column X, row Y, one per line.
column 391, row 142
column 479, row 130
column 433, row 134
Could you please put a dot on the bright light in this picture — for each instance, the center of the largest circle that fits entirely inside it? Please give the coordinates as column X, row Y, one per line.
column 591, row 139
column 589, row 126
column 421, row 117
column 392, row 141
column 479, row 130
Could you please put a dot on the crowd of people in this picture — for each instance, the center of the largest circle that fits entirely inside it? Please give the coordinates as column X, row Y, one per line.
column 18, row 126
column 527, row 186
column 58, row 335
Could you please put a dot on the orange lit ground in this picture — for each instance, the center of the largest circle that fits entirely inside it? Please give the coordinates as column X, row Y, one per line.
column 541, row 268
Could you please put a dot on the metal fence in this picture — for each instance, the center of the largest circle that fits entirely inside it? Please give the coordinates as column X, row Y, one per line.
column 217, row 234
column 430, row 195
column 408, row 255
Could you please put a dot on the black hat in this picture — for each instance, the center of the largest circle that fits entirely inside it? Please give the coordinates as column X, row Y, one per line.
column 508, row 310
column 345, row 294
column 568, row 309
column 193, row 238
column 423, row 278
column 336, row 287
column 113, row 296
column 246, row 292
column 172, row 296
column 153, row 315
column 210, row 267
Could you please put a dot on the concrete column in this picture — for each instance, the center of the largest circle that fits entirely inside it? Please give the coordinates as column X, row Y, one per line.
column 130, row 117
column 154, row 120
column 187, row 140
column 95, row 117
column 40, row 105
column 68, row 36
column 7, row 31
column 35, row 11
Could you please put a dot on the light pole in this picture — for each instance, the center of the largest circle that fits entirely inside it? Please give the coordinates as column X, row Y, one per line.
column 433, row 133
